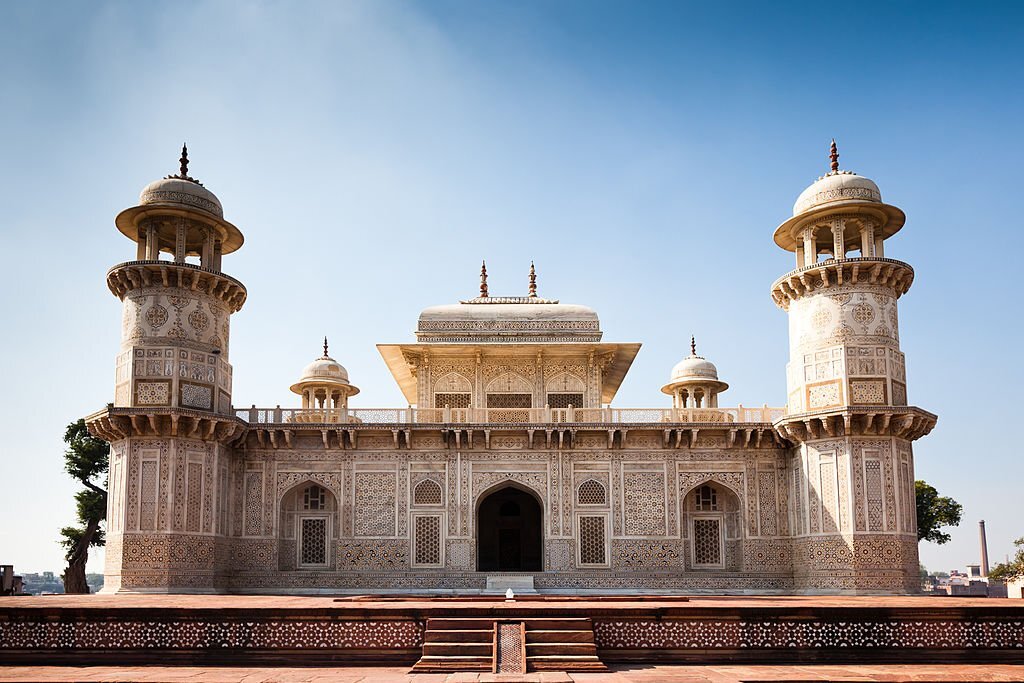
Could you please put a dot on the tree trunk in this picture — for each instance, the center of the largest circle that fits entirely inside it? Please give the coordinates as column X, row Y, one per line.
column 74, row 575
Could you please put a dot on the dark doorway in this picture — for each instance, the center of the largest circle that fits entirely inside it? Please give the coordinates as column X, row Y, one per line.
column 509, row 528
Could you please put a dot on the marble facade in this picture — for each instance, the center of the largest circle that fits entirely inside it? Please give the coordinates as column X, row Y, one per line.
column 510, row 459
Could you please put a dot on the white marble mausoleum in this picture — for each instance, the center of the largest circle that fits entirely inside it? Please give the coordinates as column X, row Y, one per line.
column 512, row 459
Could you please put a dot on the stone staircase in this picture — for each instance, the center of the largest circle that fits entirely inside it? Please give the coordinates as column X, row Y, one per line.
column 496, row 644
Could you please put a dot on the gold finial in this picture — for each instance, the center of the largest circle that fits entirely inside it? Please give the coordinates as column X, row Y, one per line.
column 533, row 280
column 833, row 155
column 693, row 345
column 183, row 169
column 483, row 279
column 325, row 346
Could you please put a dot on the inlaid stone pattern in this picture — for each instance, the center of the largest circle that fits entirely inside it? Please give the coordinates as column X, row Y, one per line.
column 374, row 509
column 644, row 503
column 275, row 634
column 781, row 633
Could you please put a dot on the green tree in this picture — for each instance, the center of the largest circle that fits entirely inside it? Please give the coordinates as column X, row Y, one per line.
column 934, row 512
column 86, row 459
column 1007, row 571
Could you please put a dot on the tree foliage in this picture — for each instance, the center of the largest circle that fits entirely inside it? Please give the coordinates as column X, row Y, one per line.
column 1007, row 571
column 86, row 459
column 934, row 512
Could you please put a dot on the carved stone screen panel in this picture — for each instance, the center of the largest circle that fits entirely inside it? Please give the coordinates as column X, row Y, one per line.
column 509, row 401
column 452, row 400
column 592, row 492
column 593, row 540
column 707, row 542
column 427, row 492
column 565, row 400
column 313, row 541
column 427, row 546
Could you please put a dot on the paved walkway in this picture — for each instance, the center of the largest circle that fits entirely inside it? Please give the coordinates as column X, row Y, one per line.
column 619, row 674
column 540, row 601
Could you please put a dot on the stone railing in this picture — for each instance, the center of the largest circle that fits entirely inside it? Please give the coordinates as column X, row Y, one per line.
column 279, row 415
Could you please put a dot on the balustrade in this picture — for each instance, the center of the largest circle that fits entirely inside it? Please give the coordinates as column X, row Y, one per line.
column 468, row 416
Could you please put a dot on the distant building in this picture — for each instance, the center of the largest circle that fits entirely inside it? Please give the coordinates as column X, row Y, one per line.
column 43, row 584
column 1015, row 588
column 969, row 584
column 10, row 584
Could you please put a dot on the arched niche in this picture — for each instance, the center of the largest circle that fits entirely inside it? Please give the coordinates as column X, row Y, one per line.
column 509, row 529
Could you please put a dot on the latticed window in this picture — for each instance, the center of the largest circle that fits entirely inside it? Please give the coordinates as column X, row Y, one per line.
column 428, row 540
column 592, row 540
column 565, row 400
column 707, row 542
column 451, row 400
column 509, row 401
column 592, row 492
column 313, row 548
column 314, row 498
column 707, row 499
column 427, row 492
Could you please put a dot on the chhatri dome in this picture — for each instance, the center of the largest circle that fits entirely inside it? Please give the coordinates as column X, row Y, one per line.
column 324, row 384
column 840, row 192
column 179, row 196
column 694, row 382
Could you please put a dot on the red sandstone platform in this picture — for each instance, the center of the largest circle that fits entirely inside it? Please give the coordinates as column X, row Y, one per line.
column 619, row 674
column 288, row 631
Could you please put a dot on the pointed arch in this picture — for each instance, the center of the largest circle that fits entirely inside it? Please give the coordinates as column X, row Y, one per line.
column 565, row 383
column 509, row 383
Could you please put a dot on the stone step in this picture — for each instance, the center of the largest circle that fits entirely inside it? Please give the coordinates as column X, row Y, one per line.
column 564, row 663
column 475, row 635
column 473, row 623
column 434, row 663
column 459, row 649
column 561, row 649
column 558, row 636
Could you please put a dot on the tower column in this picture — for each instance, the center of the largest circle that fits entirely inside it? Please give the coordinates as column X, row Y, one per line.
column 152, row 243
column 838, row 243
column 179, row 242
column 810, row 245
column 867, row 238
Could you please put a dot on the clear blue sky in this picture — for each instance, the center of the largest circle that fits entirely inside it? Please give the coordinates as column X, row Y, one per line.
column 642, row 153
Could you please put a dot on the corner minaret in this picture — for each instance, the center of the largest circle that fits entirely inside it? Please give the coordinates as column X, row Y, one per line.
column 177, row 302
column 171, row 420
column 852, row 492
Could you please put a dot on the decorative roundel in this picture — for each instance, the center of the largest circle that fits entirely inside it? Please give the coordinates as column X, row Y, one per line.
column 198, row 320
column 156, row 316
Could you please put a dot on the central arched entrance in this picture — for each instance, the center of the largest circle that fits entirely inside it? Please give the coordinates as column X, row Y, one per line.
column 509, row 526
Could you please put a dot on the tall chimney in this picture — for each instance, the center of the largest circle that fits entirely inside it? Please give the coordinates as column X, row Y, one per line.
column 984, row 548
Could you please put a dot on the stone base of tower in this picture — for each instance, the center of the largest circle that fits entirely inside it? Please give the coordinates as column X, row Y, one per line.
column 861, row 564
column 165, row 563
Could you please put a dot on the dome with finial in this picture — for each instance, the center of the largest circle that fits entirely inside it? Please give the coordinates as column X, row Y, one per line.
column 183, row 189
column 508, row 319
column 839, row 189
column 837, row 186
column 325, row 371
column 694, row 369
column 180, row 195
